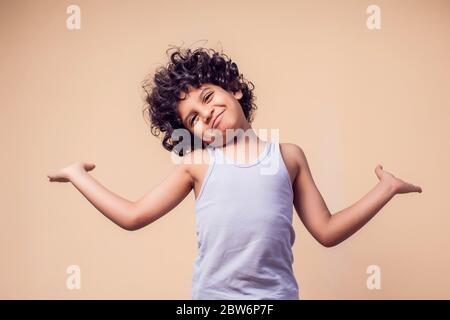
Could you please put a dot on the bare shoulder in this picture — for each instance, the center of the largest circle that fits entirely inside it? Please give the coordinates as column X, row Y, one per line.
column 292, row 150
column 297, row 155
column 195, row 162
column 292, row 155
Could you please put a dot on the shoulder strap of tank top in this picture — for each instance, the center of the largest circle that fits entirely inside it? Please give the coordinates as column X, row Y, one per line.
column 211, row 151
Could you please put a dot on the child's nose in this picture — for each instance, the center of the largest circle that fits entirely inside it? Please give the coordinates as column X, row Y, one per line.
column 207, row 116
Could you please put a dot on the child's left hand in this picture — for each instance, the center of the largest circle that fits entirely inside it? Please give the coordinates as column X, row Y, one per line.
column 397, row 185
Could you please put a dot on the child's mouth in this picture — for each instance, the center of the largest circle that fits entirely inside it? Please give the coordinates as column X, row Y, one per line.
column 217, row 120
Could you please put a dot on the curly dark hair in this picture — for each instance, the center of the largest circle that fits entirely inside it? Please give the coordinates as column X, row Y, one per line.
column 190, row 68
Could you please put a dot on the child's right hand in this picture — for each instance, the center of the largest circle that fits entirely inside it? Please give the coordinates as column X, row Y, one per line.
column 63, row 175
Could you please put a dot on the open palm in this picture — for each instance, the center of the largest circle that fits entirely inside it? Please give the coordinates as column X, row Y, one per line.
column 63, row 175
column 398, row 185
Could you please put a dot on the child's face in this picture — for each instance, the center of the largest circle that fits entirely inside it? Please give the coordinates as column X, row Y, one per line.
column 202, row 105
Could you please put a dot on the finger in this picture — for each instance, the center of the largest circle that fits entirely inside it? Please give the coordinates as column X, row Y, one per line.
column 378, row 170
column 89, row 166
column 415, row 188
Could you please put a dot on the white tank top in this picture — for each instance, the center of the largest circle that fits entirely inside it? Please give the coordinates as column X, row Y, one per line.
column 244, row 229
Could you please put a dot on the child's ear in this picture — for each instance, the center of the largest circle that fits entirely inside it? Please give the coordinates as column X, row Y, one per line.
column 237, row 94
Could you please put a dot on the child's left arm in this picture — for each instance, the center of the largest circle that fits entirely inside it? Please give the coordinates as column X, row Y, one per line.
column 331, row 230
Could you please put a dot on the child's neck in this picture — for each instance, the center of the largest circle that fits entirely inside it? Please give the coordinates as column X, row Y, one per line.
column 245, row 141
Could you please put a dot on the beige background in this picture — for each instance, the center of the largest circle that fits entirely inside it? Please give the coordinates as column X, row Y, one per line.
column 349, row 96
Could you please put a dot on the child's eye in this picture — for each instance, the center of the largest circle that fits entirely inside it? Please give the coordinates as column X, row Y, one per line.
column 192, row 119
column 204, row 100
column 207, row 96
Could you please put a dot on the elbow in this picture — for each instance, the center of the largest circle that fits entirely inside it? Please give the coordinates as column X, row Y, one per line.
column 132, row 227
column 129, row 227
column 132, row 224
column 327, row 242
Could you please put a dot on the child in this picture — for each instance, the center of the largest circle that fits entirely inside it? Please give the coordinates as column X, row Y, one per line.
column 243, row 216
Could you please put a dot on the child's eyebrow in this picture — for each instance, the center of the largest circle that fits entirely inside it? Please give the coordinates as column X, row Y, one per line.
column 199, row 99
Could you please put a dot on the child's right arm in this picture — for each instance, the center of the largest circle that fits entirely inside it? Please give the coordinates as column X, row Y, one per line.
column 128, row 214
